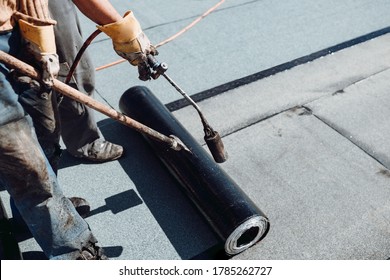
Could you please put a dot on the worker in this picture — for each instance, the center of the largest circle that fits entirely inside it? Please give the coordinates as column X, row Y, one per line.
column 79, row 130
column 24, row 169
column 52, row 219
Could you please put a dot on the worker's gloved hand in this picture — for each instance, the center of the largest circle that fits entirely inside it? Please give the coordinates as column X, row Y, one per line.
column 129, row 40
column 144, row 71
column 40, row 43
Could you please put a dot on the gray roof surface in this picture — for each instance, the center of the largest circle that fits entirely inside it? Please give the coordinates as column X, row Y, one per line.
column 307, row 144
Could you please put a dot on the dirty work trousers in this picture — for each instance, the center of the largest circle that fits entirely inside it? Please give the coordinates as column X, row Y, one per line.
column 77, row 120
column 30, row 180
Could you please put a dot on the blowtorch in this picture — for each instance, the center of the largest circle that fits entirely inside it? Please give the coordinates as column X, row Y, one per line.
column 212, row 138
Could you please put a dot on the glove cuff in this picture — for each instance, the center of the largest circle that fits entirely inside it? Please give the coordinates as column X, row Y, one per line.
column 41, row 37
column 124, row 30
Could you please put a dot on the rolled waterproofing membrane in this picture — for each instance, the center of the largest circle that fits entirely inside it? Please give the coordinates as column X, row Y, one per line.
column 229, row 211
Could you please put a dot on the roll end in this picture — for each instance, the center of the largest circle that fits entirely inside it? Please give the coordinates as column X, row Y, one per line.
column 246, row 235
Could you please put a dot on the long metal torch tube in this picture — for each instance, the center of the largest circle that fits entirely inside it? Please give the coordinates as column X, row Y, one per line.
column 188, row 98
column 74, row 94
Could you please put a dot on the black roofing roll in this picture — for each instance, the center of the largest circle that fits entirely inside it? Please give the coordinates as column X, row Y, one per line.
column 229, row 211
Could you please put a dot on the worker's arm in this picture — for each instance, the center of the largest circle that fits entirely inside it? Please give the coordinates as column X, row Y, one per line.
column 99, row 11
column 126, row 33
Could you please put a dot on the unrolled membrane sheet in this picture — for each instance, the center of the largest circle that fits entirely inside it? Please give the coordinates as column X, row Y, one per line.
column 232, row 215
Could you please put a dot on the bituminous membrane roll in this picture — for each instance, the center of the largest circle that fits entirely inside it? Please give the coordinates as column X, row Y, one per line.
column 232, row 215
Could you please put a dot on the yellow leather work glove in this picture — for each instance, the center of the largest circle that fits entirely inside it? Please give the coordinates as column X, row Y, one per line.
column 40, row 43
column 129, row 40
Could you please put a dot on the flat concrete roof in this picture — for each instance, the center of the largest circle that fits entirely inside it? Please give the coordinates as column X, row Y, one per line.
column 305, row 126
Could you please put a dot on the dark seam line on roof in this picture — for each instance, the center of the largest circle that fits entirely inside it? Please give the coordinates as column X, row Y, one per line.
column 345, row 136
column 264, row 118
column 181, row 103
